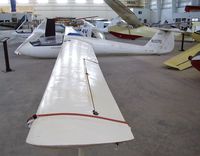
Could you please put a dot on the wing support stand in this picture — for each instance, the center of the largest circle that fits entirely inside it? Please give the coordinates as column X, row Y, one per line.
column 182, row 42
column 81, row 152
column 4, row 41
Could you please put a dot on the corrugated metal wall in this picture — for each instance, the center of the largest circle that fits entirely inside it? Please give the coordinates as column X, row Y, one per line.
column 71, row 8
column 169, row 9
column 160, row 9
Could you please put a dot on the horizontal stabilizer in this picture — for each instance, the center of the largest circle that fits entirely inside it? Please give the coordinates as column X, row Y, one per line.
column 181, row 61
column 174, row 30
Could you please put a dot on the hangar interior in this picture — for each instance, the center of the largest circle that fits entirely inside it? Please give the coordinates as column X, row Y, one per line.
column 141, row 75
column 159, row 9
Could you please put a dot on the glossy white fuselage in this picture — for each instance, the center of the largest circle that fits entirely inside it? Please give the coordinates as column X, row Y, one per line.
column 161, row 43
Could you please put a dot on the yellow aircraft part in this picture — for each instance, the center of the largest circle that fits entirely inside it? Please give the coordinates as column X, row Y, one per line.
column 140, row 31
column 143, row 31
column 196, row 36
column 181, row 61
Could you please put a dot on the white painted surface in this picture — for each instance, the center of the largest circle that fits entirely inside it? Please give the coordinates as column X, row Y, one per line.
column 68, row 92
column 161, row 43
column 196, row 58
column 26, row 48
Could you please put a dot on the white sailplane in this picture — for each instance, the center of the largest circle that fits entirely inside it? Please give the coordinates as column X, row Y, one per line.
column 42, row 46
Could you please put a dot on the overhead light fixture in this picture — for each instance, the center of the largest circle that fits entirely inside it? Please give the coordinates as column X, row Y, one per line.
column 23, row 1
column 98, row 1
column 3, row 1
column 61, row 1
column 42, row 1
column 81, row 1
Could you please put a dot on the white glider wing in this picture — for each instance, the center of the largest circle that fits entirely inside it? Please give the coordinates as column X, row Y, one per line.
column 124, row 12
column 77, row 108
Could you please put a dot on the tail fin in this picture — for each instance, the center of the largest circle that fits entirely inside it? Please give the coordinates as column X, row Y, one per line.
column 162, row 42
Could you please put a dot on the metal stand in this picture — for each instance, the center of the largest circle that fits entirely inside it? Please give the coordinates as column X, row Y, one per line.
column 81, row 152
column 182, row 42
column 7, row 64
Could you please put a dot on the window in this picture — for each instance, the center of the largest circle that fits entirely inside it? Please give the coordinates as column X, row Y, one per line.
column 42, row 1
column 22, row 1
column 80, row 1
column 98, row 1
column 139, row 12
column 195, row 19
column 183, row 19
column 178, row 19
column 3, row 1
column 61, row 1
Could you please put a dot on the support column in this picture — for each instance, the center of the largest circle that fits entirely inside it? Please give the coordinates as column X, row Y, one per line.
column 182, row 42
column 159, row 9
column 81, row 152
column 174, row 10
column 147, row 4
column 13, row 5
column 4, row 41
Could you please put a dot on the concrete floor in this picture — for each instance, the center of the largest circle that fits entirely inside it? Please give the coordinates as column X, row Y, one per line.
column 161, row 105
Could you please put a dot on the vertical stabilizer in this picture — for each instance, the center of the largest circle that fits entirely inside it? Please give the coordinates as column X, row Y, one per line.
column 162, row 42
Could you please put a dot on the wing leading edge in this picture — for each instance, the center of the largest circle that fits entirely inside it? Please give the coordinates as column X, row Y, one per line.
column 75, row 94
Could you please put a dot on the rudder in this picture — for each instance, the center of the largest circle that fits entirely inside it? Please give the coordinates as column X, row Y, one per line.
column 162, row 42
